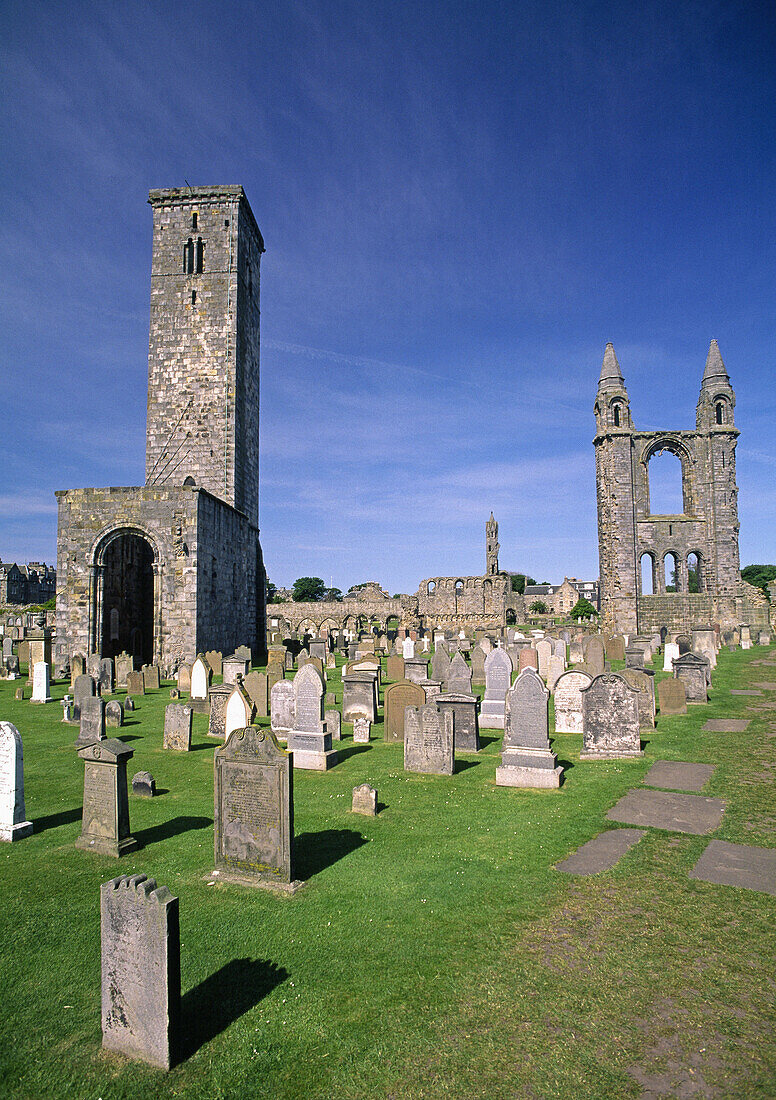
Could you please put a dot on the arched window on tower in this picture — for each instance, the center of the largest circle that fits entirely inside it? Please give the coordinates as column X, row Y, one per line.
column 616, row 415
column 200, row 256
column 720, row 413
column 188, row 257
column 647, row 575
column 694, row 575
column 671, row 572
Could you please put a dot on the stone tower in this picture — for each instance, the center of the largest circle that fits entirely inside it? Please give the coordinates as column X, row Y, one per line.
column 697, row 548
column 174, row 567
column 491, row 547
column 203, row 359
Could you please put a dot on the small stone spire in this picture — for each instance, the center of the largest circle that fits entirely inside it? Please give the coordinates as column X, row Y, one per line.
column 715, row 372
column 611, row 375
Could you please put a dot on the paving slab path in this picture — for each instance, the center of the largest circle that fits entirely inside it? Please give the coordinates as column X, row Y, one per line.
column 678, row 776
column 678, row 813
column 727, row 725
column 601, row 853
column 737, row 865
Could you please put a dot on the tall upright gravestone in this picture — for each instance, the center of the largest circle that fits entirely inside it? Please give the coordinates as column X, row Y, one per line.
column 527, row 759
column 105, row 823
column 13, row 823
column 428, row 741
column 610, row 719
column 498, row 679
column 309, row 741
column 398, row 697
column 141, row 970
column 254, row 809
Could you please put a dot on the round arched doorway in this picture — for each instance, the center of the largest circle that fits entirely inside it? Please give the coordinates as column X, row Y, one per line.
column 125, row 562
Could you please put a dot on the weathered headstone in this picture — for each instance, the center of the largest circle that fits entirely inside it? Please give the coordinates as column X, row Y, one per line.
column 282, row 708
column 92, row 721
column 150, row 677
column 254, row 808
column 527, row 658
column 478, row 666
column 692, row 671
column 83, row 688
column 359, row 696
column 459, row 677
column 105, row 823
column 105, row 676
column 634, row 656
column 141, row 970
column 527, row 759
column 240, row 711
column 333, row 720
column 672, row 698
column 704, row 645
column 498, row 679
column 428, row 741
column 466, row 726
column 41, row 683
column 124, row 666
column 201, row 675
column 184, row 679
column 614, row 647
column 415, row 669
column 13, row 817
column 408, row 649
column 217, row 699
column 543, row 654
column 177, row 727
column 567, row 699
column 440, row 664
column 594, row 654
column 557, row 668
column 610, row 719
column 308, row 741
column 135, row 685
column 644, row 683
column 214, row 660
column 746, row 637
column 670, row 652
column 234, row 668
column 143, row 785
column 114, row 714
column 361, row 730
column 394, row 668
column 364, row 800
column 129, row 703
column 397, row 698
column 255, row 684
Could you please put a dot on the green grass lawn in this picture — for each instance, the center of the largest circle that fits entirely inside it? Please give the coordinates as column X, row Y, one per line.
column 433, row 952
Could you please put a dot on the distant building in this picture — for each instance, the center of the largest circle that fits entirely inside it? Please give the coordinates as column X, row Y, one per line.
column 35, row 582
column 561, row 598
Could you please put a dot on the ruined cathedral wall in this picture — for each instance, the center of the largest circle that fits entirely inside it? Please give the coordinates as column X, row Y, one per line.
column 463, row 599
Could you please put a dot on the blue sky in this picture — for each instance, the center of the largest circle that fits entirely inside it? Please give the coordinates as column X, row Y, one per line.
column 461, row 202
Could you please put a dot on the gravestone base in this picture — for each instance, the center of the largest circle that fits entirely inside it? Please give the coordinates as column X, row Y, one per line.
column 19, row 831
column 199, row 706
column 48, row 699
column 492, row 719
column 312, row 761
column 611, row 754
column 234, row 878
column 106, row 846
column 528, row 768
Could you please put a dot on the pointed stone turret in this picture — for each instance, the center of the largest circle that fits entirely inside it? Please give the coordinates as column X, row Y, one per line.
column 612, row 408
column 717, row 399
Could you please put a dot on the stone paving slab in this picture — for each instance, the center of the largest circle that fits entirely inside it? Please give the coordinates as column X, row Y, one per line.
column 679, row 813
column 767, row 685
column 727, row 725
column 601, row 853
column 737, row 865
column 678, row 776
column 734, row 691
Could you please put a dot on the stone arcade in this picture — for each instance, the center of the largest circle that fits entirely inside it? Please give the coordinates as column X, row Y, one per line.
column 174, row 567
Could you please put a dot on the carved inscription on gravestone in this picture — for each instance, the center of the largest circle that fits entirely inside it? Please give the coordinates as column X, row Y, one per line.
column 428, row 741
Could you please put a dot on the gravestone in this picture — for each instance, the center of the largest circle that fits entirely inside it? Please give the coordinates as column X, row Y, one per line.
column 746, row 637
column 567, row 701
column 408, row 649
column 217, row 699
column 634, row 657
column 141, row 970
column 150, row 677
column 13, row 818
column 282, row 708
column 83, row 688
column 143, row 785
column 672, row 697
column 129, row 703
column 135, row 683
column 93, row 666
column 214, row 660
column 428, row 741
column 466, row 726
column 124, row 666
column 105, row 822
column 543, row 654
column 359, row 696
column 302, row 657
column 610, row 719
column 309, row 742
column 459, row 677
column 594, row 655
column 397, row 698
column 440, row 664
column 415, row 669
column 254, row 808
column 704, row 644
column 527, row 658
column 557, row 668
column 670, row 652
column 318, row 649
column 201, row 675
column 174, row 693
column 692, row 671
column 41, row 683
column 432, row 688
column 234, row 668
column 614, row 648
column 764, row 637
column 114, row 714
column 498, row 679
column 364, row 800
column 644, row 683
column 684, row 641
column 333, row 720
column 478, row 666
column 177, row 727
column 361, row 730
column 105, row 676
column 256, row 686
column 184, row 679
column 394, row 668
column 576, row 652
column 527, row 759
column 244, row 652
column 92, row 721
column 240, row 711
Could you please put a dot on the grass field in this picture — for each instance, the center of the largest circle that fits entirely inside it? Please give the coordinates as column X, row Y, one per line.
column 433, row 952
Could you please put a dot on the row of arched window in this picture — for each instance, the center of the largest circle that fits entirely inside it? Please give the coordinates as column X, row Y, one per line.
column 194, row 256
column 671, row 578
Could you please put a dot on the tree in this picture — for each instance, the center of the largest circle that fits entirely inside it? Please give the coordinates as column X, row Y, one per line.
column 308, row 589
column 539, row 607
column 272, row 591
column 518, row 583
column 582, row 609
column 332, row 595
column 759, row 575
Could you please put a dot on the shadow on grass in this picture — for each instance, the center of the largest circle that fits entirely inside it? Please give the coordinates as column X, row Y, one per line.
column 167, row 829
column 487, row 739
column 127, row 736
column 214, row 1004
column 214, row 744
column 53, row 821
column 567, row 765
column 463, row 765
column 314, row 852
column 343, row 753
column 131, row 721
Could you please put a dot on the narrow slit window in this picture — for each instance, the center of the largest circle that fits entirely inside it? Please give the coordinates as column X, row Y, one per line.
column 193, row 297
column 194, row 220
column 200, row 256
column 720, row 413
column 188, row 257
column 616, row 416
